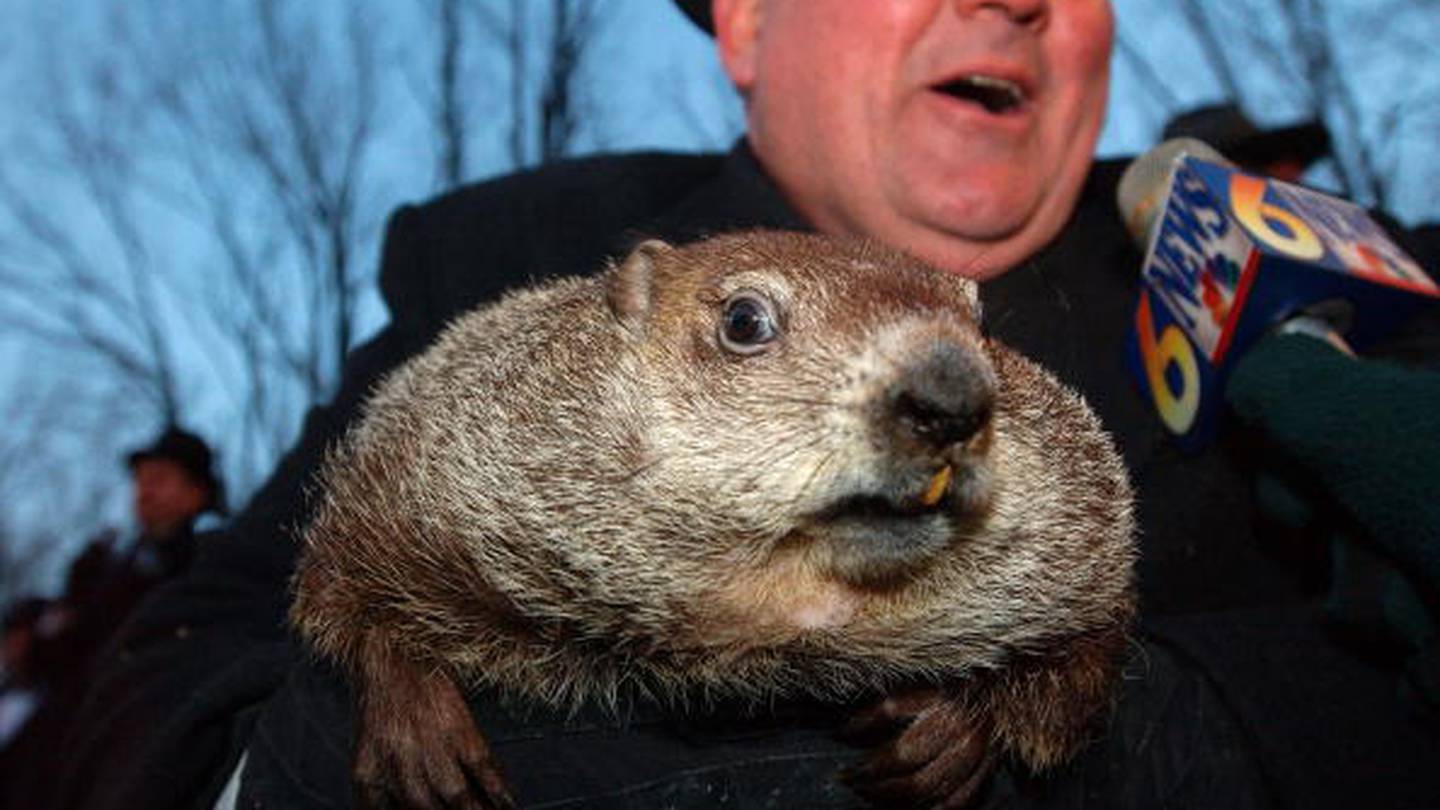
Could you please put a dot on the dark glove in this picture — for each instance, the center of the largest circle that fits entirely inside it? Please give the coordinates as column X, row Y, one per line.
column 1355, row 446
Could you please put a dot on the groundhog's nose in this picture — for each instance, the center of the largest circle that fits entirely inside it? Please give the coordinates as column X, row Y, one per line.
column 944, row 399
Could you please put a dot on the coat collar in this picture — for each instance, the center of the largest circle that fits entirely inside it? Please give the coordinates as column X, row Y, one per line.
column 740, row 197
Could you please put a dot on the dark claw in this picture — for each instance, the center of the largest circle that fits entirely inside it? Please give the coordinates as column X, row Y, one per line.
column 417, row 746
column 885, row 718
column 936, row 753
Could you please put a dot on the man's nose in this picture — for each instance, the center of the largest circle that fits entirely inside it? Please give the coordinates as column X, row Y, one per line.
column 1028, row 13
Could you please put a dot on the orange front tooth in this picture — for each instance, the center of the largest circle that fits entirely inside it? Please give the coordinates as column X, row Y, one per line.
column 938, row 485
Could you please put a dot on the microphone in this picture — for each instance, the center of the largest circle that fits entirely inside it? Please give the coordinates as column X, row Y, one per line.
column 1228, row 256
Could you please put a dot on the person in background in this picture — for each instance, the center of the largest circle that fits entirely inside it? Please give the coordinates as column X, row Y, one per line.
column 961, row 131
column 173, row 482
column 1283, row 153
column 20, row 687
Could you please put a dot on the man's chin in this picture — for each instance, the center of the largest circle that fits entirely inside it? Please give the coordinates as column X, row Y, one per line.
column 982, row 243
column 978, row 253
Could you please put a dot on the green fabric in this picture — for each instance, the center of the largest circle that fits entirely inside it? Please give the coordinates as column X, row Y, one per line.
column 1368, row 430
column 1356, row 458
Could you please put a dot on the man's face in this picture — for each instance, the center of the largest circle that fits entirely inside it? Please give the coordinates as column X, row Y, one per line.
column 960, row 130
column 166, row 497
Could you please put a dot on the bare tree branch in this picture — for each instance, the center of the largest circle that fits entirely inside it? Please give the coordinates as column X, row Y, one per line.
column 1215, row 54
column 1146, row 72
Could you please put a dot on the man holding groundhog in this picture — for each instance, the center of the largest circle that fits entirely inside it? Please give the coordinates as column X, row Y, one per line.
column 961, row 131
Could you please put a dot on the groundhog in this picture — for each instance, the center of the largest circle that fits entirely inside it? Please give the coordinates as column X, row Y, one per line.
column 764, row 465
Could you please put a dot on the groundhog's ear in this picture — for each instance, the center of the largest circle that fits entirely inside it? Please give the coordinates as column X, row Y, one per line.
column 628, row 284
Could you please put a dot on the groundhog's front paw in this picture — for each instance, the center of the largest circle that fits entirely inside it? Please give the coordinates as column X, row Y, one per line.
column 929, row 748
column 417, row 747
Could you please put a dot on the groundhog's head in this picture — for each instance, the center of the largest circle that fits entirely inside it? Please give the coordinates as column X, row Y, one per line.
column 830, row 455
column 840, row 394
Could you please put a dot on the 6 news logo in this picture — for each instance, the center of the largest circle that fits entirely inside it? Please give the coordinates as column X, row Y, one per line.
column 1234, row 253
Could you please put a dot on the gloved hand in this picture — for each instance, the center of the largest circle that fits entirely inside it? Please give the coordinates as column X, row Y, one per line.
column 1356, row 449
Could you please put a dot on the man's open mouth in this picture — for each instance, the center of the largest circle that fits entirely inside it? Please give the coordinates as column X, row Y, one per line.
column 997, row 96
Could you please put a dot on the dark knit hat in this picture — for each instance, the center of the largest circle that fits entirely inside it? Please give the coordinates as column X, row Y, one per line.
column 1226, row 127
column 192, row 454
column 699, row 13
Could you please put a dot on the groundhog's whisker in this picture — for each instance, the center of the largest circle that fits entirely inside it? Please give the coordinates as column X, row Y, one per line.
column 814, row 438
column 820, row 467
column 826, row 402
column 756, row 478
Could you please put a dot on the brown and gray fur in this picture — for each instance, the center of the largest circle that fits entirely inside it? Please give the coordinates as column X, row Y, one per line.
column 579, row 490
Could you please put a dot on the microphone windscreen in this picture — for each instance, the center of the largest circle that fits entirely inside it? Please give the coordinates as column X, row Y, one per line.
column 1146, row 181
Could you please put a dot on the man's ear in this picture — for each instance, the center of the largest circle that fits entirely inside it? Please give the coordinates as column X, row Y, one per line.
column 737, row 34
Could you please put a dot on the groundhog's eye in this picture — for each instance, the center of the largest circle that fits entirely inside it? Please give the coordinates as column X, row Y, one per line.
column 748, row 323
